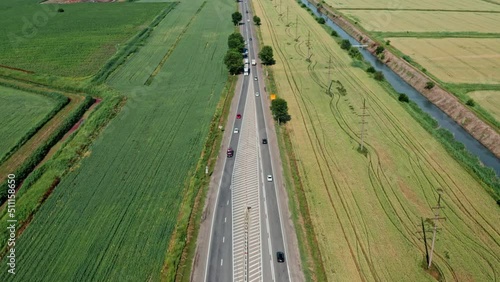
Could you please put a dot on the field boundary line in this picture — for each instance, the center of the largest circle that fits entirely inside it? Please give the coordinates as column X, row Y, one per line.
column 172, row 48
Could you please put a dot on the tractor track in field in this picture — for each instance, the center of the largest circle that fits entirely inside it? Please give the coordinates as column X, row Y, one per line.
column 292, row 81
column 415, row 161
column 337, row 188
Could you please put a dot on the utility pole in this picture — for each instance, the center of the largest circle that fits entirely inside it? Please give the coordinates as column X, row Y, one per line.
column 363, row 122
column 425, row 240
column 434, row 221
column 296, row 28
column 308, row 46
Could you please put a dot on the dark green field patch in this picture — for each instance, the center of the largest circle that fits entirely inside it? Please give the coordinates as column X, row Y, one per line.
column 76, row 42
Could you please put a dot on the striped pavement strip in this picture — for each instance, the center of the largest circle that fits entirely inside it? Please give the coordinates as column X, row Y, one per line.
column 245, row 193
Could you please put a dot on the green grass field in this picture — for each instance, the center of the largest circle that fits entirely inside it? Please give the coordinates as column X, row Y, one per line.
column 76, row 42
column 112, row 218
column 366, row 210
column 20, row 111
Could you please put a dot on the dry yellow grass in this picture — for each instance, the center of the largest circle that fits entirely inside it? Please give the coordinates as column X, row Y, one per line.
column 365, row 210
column 457, row 60
column 422, row 4
column 490, row 100
column 424, row 21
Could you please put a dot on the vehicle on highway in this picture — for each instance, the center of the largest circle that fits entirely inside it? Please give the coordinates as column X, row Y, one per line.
column 238, row 116
column 280, row 256
column 230, row 152
column 257, row 94
column 236, row 130
column 269, row 178
column 253, row 60
column 255, row 78
column 246, row 70
column 264, row 141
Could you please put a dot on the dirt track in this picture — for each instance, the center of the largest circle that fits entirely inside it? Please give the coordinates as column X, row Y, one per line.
column 444, row 100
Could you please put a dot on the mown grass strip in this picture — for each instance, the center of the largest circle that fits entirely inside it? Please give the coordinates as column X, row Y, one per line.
column 38, row 185
column 60, row 100
column 433, row 34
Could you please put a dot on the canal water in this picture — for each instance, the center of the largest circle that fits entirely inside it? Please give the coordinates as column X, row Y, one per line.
column 444, row 121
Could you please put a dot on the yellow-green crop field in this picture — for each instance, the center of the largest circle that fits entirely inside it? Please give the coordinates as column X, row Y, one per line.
column 488, row 100
column 425, row 21
column 366, row 210
column 456, row 60
column 424, row 4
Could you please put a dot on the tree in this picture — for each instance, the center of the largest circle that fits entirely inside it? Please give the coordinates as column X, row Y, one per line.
column 234, row 61
column 403, row 98
column 379, row 76
column 370, row 69
column 320, row 20
column 256, row 20
column 346, row 45
column 379, row 50
column 279, row 108
column 266, row 55
column 470, row 102
column 429, row 85
column 236, row 41
column 334, row 33
column 237, row 17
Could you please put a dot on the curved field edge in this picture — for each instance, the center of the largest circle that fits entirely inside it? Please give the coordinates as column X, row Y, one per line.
column 34, row 151
column 60, row 101
column 454, row 89
column 181, row 250
column 40, row 183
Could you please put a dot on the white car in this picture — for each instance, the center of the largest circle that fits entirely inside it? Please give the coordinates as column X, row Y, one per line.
column 257, row 94
column 236, row 130
column 269, row 178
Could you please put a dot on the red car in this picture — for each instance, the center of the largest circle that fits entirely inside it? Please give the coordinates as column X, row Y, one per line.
column 238, row 116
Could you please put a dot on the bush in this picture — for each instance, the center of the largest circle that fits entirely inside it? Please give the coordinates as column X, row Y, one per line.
column 379, row 76
column 60, row 10
column 320, row 20
column 407, row 58
column 379, row 50
column 403, row 98
column 354, row 53
column 345, row 44
column 388, row 42
column 370, row 69
column 429, row 85
column 266, row 55
column 470, row 102
column 334, row 33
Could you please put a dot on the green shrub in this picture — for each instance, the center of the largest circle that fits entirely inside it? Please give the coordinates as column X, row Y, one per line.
column 345, row 44
column 334, row 33
column 370, row 69
column 429, row 85
column 470, row 102
column 378, row 76
column 403, row 98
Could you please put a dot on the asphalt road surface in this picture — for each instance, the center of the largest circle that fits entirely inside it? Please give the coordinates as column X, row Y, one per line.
column 231, row 258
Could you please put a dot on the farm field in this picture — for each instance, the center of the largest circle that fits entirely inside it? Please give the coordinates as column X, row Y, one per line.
column 475, row 5
column 366, row 210
column 455, row 60
column 425, row 21
column 20, row 111
column 119, row 208
column 76, row 42
column 488, row 100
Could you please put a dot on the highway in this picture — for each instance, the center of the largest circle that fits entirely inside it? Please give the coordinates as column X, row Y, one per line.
column 246, row 229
